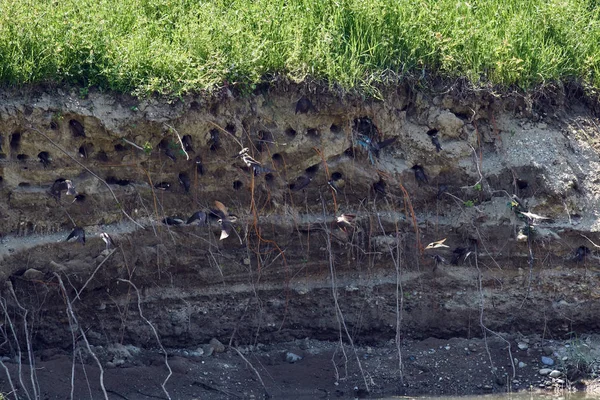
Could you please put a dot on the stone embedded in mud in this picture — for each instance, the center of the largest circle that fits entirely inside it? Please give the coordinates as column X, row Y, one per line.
column 555, row 374
column 547, row 361
column 33, row 274
column 522, row 346
column 292, row 358
column 545, row 371
column 216, row 345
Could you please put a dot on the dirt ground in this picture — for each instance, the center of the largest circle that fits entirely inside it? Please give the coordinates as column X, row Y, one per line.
column 317, row 369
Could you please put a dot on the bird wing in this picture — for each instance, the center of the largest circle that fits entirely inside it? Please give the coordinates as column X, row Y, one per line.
column 386, row 142
column 81, row 236
column 225, row 229
column 221, row 207
column 532, row 215
column 197, row 216
column 71, row 235
column 439, row 243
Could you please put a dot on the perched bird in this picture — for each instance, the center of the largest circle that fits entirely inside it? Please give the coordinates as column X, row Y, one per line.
column 300, row 183
column 436, row 142
column 184, row 179
column 380, row 187
column 172, row 221
column 441, row 190
column 581, row 253
column 304, row 105
column 250, row 162
column 187, row 143
column 420, row 175
column 437, row 245
column 336, row 185
column 439, row 260
column 60, row 185
column 44, row 157
column 372, row 146
column 170, row 153
column 226, row 220
column 199, row 216
column 78, row 233
column 107, row 240
column 517, row 205
column 457, row 254
column 162, row 185
column 76, row 128
column 215, row 140
column 199, row 166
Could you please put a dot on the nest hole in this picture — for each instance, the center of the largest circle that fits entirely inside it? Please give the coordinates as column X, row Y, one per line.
column 290, row 132
column 349, row 152
column 215, row 140
column 336, row 176
column 237, row 185
column 312, row 170
column 53, row 125
column 24, row 184
column 101, row 156
column 15, row 140
column 2, row 156
column 80, row 198
column 313, row 133
column 195, row 106
column 77, row 128
column 85, row 150
column 334, row 128
column 277, row 159
column 112, row 180
column 432, row 132
column 269, row 177
column 22, row 157
column 522, row 184
column 119, row 148
column 231, row 128
column 365, row 126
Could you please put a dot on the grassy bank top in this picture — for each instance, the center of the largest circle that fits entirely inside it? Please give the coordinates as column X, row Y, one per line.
column 174, row 47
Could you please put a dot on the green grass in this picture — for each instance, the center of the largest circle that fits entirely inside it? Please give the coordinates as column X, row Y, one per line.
column 174, row 47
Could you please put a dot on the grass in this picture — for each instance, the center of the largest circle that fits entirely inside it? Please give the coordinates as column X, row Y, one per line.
column 175, row 47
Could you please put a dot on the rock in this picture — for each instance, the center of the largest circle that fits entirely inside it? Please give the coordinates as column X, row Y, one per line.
column 555, row 374
column 33, row 274
column 545, row 371
column 560, row 381
column 547, row 350
column 547, row 360
column 208, row 350
column 522, row 346
column 291, row 357
column 522, row 364
column 217, row 346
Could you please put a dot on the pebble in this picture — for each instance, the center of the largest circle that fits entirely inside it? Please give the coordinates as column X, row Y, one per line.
column 547, row 360
column 522, row 346
column 555, row 374
column 291, row 357
column 522, row 364
column 545, row 371
column 217, row 346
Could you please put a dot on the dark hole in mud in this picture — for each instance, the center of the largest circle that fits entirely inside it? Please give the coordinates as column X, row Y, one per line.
column 15, row 140
column 463, row 116
column 269, row 177
column 312, row 133
column 111, row 180
column 349, row 152
column 522, row 184
column 53, row 125
column 195, row 106
column 119, row 147
column 312, row 170
column 214, row 108
column 364, row 126
column 28, row 110
column 277, row 159
column 231, row 128
column 290, row 132
column 101, row 156
column 265, row 138
column 85, row 150
column 22, row 157
column 432, row 132
column 77, row 128
column 336, row 176
column 335, row 128
column 163, row 144
column 575, row 185
column 80, row 198
column 1, row 179
column 2, row 156
column 44, row 156
column 24, row 184
column 379, row 187
column 237, row 185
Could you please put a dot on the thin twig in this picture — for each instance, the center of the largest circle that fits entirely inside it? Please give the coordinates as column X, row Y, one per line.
column 18, row 346
column 254, row 370
column 77, row 293
column 10, row 382
column 180, row 141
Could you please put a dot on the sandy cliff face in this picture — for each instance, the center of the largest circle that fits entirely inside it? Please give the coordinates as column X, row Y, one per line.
column 289, row 269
